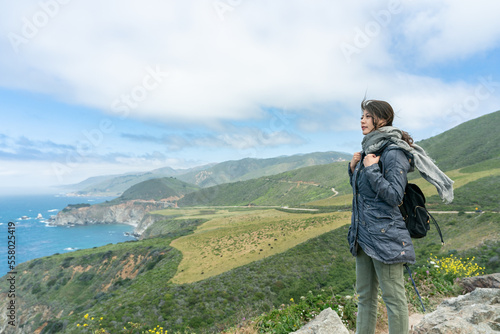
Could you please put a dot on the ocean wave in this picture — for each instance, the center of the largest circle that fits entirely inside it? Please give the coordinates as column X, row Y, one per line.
column 53, row 210
column 70, row 249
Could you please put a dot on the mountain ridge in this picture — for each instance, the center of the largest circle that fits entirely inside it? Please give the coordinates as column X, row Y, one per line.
column 209, row 174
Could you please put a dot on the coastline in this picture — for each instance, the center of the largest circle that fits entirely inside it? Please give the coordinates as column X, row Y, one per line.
column 36, row 238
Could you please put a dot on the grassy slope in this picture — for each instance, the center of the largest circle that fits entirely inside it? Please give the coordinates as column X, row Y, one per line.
column 466, row 144
column 75, row 282
column 475, row 186
column 157, row 189
column 228, row 242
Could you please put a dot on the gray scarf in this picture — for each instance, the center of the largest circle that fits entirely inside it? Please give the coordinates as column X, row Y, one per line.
column 375, row 140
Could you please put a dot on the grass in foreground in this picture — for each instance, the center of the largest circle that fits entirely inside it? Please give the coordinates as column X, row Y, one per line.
column 435, row 279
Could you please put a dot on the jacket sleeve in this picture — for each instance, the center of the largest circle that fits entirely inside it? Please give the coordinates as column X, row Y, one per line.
column 350, row 173
column 390, row 186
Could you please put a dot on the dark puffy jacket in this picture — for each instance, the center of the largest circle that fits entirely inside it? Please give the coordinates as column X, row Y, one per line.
column 376, row 223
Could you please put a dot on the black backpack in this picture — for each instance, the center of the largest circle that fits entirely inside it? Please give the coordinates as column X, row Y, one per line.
column 415, row 214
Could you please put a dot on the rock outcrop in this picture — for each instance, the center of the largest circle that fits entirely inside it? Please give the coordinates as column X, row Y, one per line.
column 130, row 212
column 327, row 322
column 487, row 281
column 475, row 312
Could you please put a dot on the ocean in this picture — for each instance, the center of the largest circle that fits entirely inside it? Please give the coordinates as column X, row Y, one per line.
column 34, row 238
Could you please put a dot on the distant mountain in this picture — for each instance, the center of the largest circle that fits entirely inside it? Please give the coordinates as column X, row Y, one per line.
column 250, row 168
column 472, row 142
column 208, row 175
column 115, row 185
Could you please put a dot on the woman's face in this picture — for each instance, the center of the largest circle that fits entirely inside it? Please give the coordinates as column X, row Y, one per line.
column 367, row 125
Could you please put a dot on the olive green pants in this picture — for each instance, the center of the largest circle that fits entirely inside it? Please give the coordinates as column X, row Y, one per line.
column 369, row 274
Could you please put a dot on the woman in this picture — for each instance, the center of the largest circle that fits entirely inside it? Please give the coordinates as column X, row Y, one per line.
column 377, row 235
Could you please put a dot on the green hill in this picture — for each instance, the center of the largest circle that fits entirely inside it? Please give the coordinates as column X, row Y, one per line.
column 157, row 189
column 466, row 144
column 285, row 189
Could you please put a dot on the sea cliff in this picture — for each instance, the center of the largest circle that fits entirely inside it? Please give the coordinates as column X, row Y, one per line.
column 129, row 212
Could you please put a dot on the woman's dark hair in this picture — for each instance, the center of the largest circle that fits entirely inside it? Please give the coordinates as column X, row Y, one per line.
column 383, row 115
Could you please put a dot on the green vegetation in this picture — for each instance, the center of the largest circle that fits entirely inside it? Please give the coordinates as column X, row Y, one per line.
column 172, row 227
column 155, row 189
column 75, row 206
column 227, row 242
column 482, row 194
column 286, row 189
column 75, row 282
column 435, row 279
column 290, row 317
column 214, row 303
column 438, row 278
column 466, row 144
column 485, row 165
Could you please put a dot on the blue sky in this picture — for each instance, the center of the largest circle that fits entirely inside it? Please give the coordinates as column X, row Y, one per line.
column 91, row 89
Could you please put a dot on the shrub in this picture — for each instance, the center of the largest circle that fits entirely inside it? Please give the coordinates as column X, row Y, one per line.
column 438, row 277
column 289, row 318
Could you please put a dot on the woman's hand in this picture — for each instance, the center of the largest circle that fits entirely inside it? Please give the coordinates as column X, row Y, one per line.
column 355, row 159
column 370, row 159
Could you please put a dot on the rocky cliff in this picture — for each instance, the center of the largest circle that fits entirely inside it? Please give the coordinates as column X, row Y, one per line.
column 477, row 312
column 129, row 212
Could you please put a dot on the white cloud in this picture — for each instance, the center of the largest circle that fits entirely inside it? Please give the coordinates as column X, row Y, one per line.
column 280, row 53
column 235, row 138
column 440, row 31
